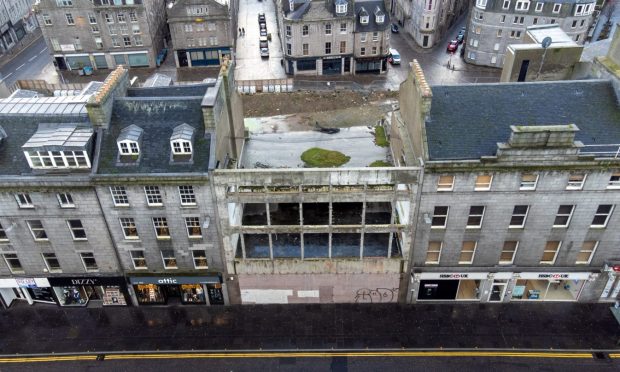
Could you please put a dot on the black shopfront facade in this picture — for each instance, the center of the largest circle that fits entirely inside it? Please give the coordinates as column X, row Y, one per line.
column 82, row 291
column 173, row 290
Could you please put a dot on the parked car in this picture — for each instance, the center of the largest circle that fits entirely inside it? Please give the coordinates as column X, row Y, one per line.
column 263, row 44
column 460, row 38
column 263, row 32
column 394, row 28
column 394, row 57
column 261, row 17
column 453, row 46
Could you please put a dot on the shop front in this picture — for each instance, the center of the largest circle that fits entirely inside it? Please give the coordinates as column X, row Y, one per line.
column 450, row 286
column 186, row 290
column 548, row 286
column 611, row 291
column 80, row 291
column 26, row 289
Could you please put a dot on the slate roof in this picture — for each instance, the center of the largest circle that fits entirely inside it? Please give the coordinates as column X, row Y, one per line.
column 158, row 117
column 370, row 7
column 19, row 129
column 467, row 121
column 130, row 133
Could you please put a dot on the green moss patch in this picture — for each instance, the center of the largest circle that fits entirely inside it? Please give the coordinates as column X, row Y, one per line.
column 321, row 158
column 379, row 163
column 380, row 137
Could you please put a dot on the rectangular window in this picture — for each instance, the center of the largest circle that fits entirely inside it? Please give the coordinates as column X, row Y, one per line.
column 374, row 50
column 289, row 49
column 433, row 253
column 23, row 200
column 186, row 193
column 528, row 182
column 47, row 20
column 328, row 48
column 476, row 214
column 200, row 259
column 328, row 29
column 445, row 183
column 440, row 218
column 535, row 21
column 362, row 51
column 499, row 33
column 135, row 29
column 305, row 30
column 562, row 219
column 304, row 49
column 138, row 260
column 574, row 24
column 132, row 16
column 108, row 18
column 129, row 228
column 468, row 250
column 506, row 4
column 153, row 196
column 92, row 19
column 119, row 196
column 363, row 37
column 539, row 6
column 121, row 17
column 523, row 5
column 519, row 215
column 483, row 182
column 88, row 259
column 77, row 229
column 37, row 230
column 343, row 47
column 51, row 262
column 509, row 251
column 65, row 200
column 70, row 20
column 188, row 27
column 170, row 262
column 12, row 261
column 502, row 19
column 614, row 181
column 601, row 217
column 288, row 31
column 137, row 39
column 64, row 2
column 343, row 28
column 375, row 36
column 584, row 257
column 193, row 227
column 551, row 252
column 160, row 224
column 99, row 43
column 3, row 237
column 576, row 181
column 557, row 7
column 126, row 41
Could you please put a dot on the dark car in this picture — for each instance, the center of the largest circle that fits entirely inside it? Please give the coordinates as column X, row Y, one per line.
column 453, row 46
column 394, row 28
column 460, row 38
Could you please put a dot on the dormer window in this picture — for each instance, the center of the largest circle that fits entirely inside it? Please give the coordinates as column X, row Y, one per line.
column 364, row 17
column 379, row 16
column 291, row 5
column 59, row 146
column 341, row 7
column 181, row 142
column 128, row 143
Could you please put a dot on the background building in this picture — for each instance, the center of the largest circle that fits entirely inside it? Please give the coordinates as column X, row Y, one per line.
column 16, row 20
column 494, row 24
column 427, row 21
column 103, row 33
column 202, row 31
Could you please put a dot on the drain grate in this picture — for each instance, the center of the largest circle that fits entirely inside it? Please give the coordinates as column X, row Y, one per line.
column 601, row 356
column 100, row 357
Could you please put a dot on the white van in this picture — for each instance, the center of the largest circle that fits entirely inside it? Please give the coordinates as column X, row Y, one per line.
column 394, row 57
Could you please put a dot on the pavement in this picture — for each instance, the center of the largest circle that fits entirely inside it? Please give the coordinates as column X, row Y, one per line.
column 567, row 326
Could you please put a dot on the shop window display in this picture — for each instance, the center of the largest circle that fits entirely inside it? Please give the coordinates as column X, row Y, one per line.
column 150, row 294
column 73, row 295
column 193, row 294
column 547, row 290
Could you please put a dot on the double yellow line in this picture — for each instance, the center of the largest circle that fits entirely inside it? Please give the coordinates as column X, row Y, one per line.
column 306, row 354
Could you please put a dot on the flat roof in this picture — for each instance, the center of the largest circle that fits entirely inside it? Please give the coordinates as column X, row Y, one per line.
column 283, row 150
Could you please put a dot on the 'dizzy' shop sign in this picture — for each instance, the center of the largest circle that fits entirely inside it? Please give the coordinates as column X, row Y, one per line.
column 68, row 281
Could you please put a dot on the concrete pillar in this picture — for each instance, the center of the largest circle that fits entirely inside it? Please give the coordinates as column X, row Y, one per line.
column 27, row 295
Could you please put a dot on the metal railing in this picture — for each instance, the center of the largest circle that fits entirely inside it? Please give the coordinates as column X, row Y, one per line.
column 264, row 86
column 602, row 151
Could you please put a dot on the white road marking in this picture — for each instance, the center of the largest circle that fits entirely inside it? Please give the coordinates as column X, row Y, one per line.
column 42, row 51
column 1, row 80
column 20, row 66
column 32, row 59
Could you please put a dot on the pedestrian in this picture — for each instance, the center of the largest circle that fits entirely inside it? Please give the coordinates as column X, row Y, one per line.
column 243, row 30
column 240, row 34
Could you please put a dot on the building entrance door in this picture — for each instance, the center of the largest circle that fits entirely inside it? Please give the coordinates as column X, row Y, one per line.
column 497, row 292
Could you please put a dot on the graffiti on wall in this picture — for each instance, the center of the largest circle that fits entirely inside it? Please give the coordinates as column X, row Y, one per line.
column 367, row 295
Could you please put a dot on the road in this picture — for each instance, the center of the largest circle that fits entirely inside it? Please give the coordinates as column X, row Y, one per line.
column 33, row 62
column 322, row 361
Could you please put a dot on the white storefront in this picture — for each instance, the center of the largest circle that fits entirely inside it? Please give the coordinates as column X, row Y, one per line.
column 26, row 289
column 549, row 286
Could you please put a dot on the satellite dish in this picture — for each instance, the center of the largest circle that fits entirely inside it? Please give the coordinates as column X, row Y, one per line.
column 546, row 42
